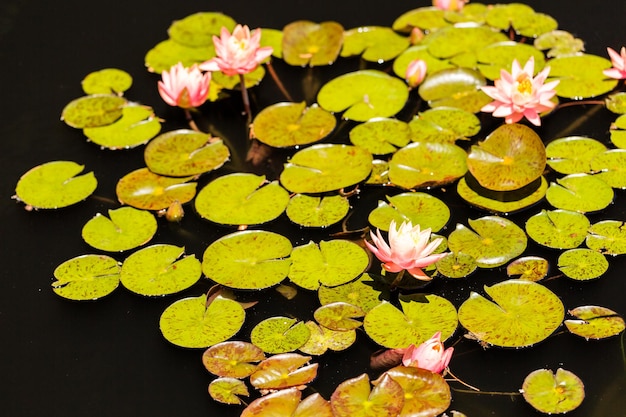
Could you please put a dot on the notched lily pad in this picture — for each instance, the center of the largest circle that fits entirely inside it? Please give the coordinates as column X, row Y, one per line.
column 339, row 316
column 580, row 76
column 455, row 87
column 228, row 390
column 198, row 29
column 595, row 322
column 559, row 43
column 580, row 192
column 125, row 228
column 86, row 277
column 582, row 264
column 608, row 237
column 146, row 190
column 232, row 359
column 313, row 44
column 381, row 136
column 418, row 208
column 573, row 154
column 374, row 43
column 169, row 52
column 355, row 397
column 553, row 393
column 559, row 229
column 425, row 393
column 444, row 124
column 362, row 292
column 322, row 339
column 529, row 268
column 610, row 167
column 93, row 110
column 135, row 127
column 280, row 335
column 456, row 265
column 107, row 81
column 312, row 211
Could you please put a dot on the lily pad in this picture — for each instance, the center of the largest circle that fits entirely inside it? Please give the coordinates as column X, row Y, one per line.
column 227, row 390
column 54, row 185
column 494, row 57
column 198, row 29
column 423, row 164
column 280, row 335
column 311, row 211
column 363, row 95
column 618, row 132
column 146, row 190
column 582, row 264
column 107, row 81
column 93, row 110
column 559, row 43
column 339, row 316
column 610, row 167
column 168, row 53
column 355, row 398
column 559, row 229
column 232, row 359
column 425, row 393
column 493, row 242
column 241, row 199
column 429, row 18
column 580, row 76
column 595, row 322
column 616, row 102
column 573, row 154
column 191, row 323
column 381, row 136
column 283, row 371
column 449, row 123
column 608, row 237
column 521, row 313
column 455, row 87
column 580, row 192
column 379, row 174
column 313, row 44
column 553, row 393
column 135, row 127
column 322, row 339
column 286, row 403
column 251, row 259
column 456, row 265
column 362, row 292
column 374, row 43
column 455, row 40
column 418, row 208
column 420, row 51
column 125, row 228
column 86, row 277
column 529, row 268
column 160, row 270
column 232, row 82
column 284, row 125
column 184, row 152
column 326, row 167
column 495, row 203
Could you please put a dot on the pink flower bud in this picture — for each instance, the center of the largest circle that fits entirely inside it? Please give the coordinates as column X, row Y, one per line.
column 430, row 355
column 416, row 72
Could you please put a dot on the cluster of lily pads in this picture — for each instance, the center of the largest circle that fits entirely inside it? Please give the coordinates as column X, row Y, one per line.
column 438, row 146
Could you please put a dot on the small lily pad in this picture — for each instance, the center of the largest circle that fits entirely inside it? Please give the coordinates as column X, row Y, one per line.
column 198, row 29
column 227, row 390
column 107, row 81
column 553, row 393
column 582, row 264
column 279, row 335
column 580, row 76
column 313, row 44
column 283, row 371
column 559, row 43
column 125, row 228
column 362, row 292
column 354, row 397
column 322, row 339
column 339, row 316
column 595, row 322
column 312, row 211
column 135, row 127
column 455, row 87
column 573, row 154
column 381, row 136
column 559, row 229
column 450, row 124
column 86, row 277
column 168, row 53
column 529, row 268
column 146, row 190
column 418, row 208
column 618, row 132
column 374, row 43
column 580, row 192
column 93, row 110
column 608, row 237
column 610, row 167
column 232, row 359
column 456, row 265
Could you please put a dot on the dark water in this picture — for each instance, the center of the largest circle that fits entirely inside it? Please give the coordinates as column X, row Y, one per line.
column 107, row 358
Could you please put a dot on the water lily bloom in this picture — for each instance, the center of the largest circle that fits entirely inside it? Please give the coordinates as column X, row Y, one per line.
column 619, row 64
column 430, row 355
column 519, row 94
column 184, row 87
column 237, row 53
column 415, row 72
column 452, row 5
column 408, row 249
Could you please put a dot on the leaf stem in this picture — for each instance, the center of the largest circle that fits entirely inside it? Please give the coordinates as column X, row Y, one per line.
column 459, row 380
column 192, row 123
column 277, row 80
column 579, row 103
column 397, row 279
column 246, row 103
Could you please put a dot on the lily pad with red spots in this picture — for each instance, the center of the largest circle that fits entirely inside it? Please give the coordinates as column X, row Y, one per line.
column 228, row 390
column 559, row 229
column 529, row 268
column 425, row 393
column 355, row 398
column 286, row 403
column 283, row 371
column 233, row 359
column 553, row 393
column 146, row 190
column 339, row 316
column 607, row 236
column 86, row 277
column 322, row 339
column 582, row 264
column 280, row 334
column 125, row 228
column 310, row 43
column 595, row 322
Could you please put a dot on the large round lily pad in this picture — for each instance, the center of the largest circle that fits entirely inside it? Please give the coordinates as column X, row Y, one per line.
column 581, row 76
column 573, row 154
column 199, row 28
column 381, row 136
column 107, row 81
column 86, row 277
column 455, row 87
column 560, row 229
column 582, row 264
column 580, row 192
column 494, row 203
column 313, row 211
column 309, row 43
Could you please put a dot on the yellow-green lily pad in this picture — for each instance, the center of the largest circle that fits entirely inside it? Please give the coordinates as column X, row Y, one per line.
column 93, row 110
column 429, row 18
column 607, row 236
column 381, row 136
column 135, row 127
column 419, row 208
column 610, row 167
column 228, row 390
column 455, row 40
column 433, row 64
column 580, row 76
column 313, row 44
column 455, row 87
column 501, row 202
column 232, row 359
column 573, row 154
column 528, row 268
column 339, row 316
column 580, row 192
column 582, row 264
column 558, row 229
column 107, row 81
column 444, row 124
column 168, row 53
column 146, row 190
column 493, row 58
column 311, row 211
column 125, row 228
column 618, row 132
column 355, row 398
column 456, row 265
column 86, row 277
column 594, row 322
column 322, row 339
column 362, row 292
column 425, row 393
column 553, row 393
column 374, row 43
column 279, row 335
column 198, row 29
column 559, row 43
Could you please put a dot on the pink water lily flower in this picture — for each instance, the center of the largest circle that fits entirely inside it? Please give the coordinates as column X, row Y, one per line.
column 430, row 355
column 237, row 53
column 409, row 249
column 452, row 5
column 184, row 87
column 519, row 94
column 619, row 64
column 415, row 72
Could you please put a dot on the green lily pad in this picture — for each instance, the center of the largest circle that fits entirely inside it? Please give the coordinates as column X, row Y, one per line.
column 362, row 292
column 191, row 323
column 379, row 174
column 553, row 393
column 618, row 132
column 522, row 18
column 168, row 53
column 610, row 167
column 493, row 242
column 423, row 17
column 86, row 277
column 582, row 264
column 241, row 199
column 455, row 87
column 326, row 167
column 558, row 229
column 529, row 268
column 426, row 393
column 333, row 262
column 184, row 152
column 595, row 322
column 374, row 43
column 146, row 190
column 580, row 76
column 363, row 95
column 284, row 125
column 559, row 43
column 573, row 154
column 608, row 237
column 107, row 81
column 284, row 370
column 521, row 313
column 493, row 58
column 414, row 324
column 313, row 44
column 54, row 185
column 455, row 40
column 444, row 124
column 198, row 29
column 160, row 270
column 381, row 136
column 227, row 390
column 355, row 398
column 580, row 192
column 424, row 164
column 136, row 127
column 616, row 103
column 322, row 339
column 433, row 64
column 274, row 38
column 339, row 316
column 232, row 359
column 279, row 335
column 231, row 82
column 311, row 211
column 125, row 228
column 418, row 208
column 286, row 403
column 456, row 265
column 251, row 259
column 511, row 157
column 494, row 201
column 93, row 110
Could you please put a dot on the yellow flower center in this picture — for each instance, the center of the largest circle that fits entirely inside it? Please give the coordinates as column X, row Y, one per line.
column 524, row 85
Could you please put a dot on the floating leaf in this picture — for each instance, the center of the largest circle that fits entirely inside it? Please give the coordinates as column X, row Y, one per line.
column 511, row 157
column 580, row 76
column 309, row 43
column 433, row 64
column 522, row 18
column 456, row 265
column 618, row 132
column 381, row 136
column 420, row 318
column 379, row 174
column 457, row 87
column 125, row 228
column 136, row 127
column 573, row 154
column 333, row 262
column 241, row 199
column 594, row 322
column 274, row 38
column 447, row 123
column 521, row 314
column 284, row 125
column 184, row 152
column 580, row 192
column 284, row 371
column 280, row 335
column 559, row 43
column 107, row 81
column 425, row 393
column 191, row 323
column 493, row 58
column 252, row 259
column 608, row 237
column 326, row 167
column 529, row 268
column 504, row 202
column 582, row 264
column 374, row 43
column 419, row 208
column 361, row 292
column 93, row 110
column 322, row 338
column 232, row 359
column 227, row 390
column 616, row 103
column 553, row 393
column 231, row 82
column 559, row 229
column 146, row 190
column 355, row 398
column 286, row 403
column 493, row 242
column 168, row 53
column 424, row 18
column 198, row 29
column 339, row 316
column 454, row 40
column 54, row 185
column 86, row 277
column 423, row 164
column 310, row 211
column 364, row 95
column 157, row 270
column 611, row 167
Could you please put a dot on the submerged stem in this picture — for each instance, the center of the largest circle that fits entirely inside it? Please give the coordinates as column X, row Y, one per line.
column 192, row 123
column 277, row 80
column 459, row 380
column 398, row 278
column 246, row 102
